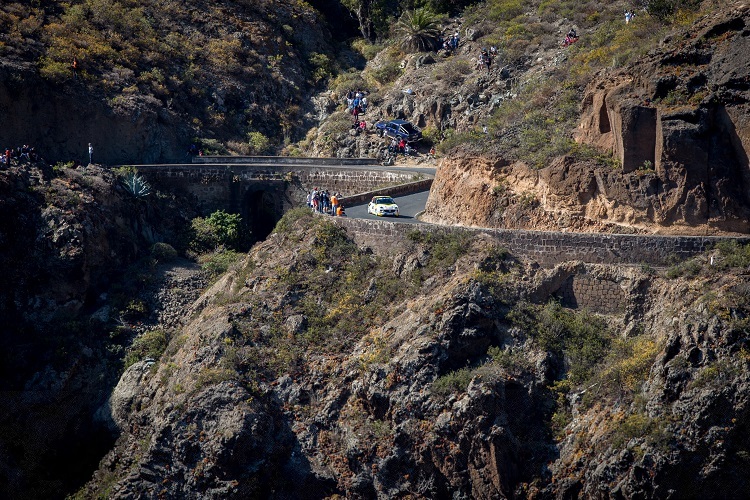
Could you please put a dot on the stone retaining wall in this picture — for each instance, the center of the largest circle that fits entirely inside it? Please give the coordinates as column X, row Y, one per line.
column 549, row 248
column 595, row 294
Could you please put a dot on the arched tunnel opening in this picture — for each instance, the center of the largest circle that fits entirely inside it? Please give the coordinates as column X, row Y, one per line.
column 261, row 211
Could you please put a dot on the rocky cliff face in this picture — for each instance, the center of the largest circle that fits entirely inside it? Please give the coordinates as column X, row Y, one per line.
column 675, row 123
column 68, row 242
column 154, row 76
column 438, row 369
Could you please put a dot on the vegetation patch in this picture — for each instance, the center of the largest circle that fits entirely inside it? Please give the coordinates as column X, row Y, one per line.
column 582, row 338
column 733, row 254
column 653, row 432
column 452, row 382
column 151, row 344
column 220, row 229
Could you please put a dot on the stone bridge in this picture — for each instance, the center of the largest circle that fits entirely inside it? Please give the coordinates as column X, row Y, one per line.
column 261, row 189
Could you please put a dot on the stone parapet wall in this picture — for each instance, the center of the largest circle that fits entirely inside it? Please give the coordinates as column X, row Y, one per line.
column 550, row 248
column 282, row 160
column 400, row 190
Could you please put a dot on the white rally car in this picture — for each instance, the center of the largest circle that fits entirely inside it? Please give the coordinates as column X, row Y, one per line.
column 382, row 205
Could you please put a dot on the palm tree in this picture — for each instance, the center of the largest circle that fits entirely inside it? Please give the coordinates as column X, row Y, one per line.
column 418, row 30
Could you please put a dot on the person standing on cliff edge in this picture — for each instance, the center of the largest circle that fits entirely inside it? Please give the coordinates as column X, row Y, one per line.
column 91, row 152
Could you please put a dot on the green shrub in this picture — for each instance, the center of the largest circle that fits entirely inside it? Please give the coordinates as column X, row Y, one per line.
column 733, row 254
column 653, row 431
column 218, row 262
column 151, row 344
column 56, row 71
column 332, row 245
column 163, row 252
column 454, row 139
column 387, row 72
column 134, row 183
column 689, row 268
column 430, row 136
column 344, row 82
column 505, row 10
column 444, row 247
column 455, row 381
column 418, row 30
column 665, row 9
column 212, row 376
column 582, row 338
column 323, row 66
column 135, row 309
column 259, row 143
column 210, row 146
column 290, row 217
column 453, row 71
column 626, row 367
column 217, row 230
column 367, row 49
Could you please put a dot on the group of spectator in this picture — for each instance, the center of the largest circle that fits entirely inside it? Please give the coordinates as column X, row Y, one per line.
column 323, row 202
column 20, row 154
column 356, row 102
column 359, row 126
column 570, row 38
column 451, row 43
column 400, row 146
column 485, row 57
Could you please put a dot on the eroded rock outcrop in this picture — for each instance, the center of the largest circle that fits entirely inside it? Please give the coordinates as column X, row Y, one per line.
column 676, row 125
column 682, row 111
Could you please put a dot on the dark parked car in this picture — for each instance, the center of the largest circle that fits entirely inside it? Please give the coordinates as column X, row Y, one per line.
column 400, row 129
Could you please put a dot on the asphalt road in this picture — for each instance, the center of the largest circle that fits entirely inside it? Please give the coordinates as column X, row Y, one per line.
column 409, row 206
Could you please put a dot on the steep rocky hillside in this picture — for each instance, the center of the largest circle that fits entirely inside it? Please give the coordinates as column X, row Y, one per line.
column 78, row 281
column 440, row 367
column 436, row 365
column 662, row 146
column 154, row 76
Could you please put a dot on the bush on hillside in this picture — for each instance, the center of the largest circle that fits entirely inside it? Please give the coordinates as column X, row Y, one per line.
column 580, row 337
column 151, row 344
column 259, row 143
column 217, row 230
column 664, row 9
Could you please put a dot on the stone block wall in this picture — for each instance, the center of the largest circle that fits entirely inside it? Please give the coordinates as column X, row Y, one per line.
column 597, row 295
column 550, row 248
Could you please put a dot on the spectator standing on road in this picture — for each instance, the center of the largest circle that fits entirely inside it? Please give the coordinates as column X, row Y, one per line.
column 334, row 204
column 91, row 153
